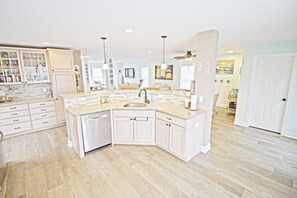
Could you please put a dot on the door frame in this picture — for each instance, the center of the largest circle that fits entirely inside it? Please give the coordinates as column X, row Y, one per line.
column 252, row 84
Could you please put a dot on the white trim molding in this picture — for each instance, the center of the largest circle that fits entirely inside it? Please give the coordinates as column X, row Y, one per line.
column 206, row 148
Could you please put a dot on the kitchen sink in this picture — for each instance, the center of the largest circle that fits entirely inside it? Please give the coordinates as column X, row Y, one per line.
column 135, row 105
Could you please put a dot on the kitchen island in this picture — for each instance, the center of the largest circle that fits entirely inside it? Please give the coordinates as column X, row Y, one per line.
column 170, row 127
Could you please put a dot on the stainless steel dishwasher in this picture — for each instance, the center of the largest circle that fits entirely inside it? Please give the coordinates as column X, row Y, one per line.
column 96, row 130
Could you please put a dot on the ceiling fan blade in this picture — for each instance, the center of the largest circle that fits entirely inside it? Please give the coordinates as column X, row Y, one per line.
column 179, row 57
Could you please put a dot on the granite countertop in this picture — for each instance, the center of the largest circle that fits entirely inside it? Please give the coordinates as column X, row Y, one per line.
column 172, row 109
column 25, row 101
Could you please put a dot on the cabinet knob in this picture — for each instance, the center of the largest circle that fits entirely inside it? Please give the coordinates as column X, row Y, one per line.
column 284, row 99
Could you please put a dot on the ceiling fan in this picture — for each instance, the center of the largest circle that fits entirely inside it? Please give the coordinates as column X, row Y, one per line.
column 188, row 56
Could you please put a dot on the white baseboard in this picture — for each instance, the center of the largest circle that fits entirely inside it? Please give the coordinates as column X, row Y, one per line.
column 69, row 143
column 289, row 135
column 241, row 123
column 206, row 148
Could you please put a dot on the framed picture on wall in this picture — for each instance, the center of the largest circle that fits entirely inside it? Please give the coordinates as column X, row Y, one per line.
column 129, row 73
column 164, row 74
column 225, row 67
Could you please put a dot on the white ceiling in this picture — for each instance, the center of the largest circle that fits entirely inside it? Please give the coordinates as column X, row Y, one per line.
column 79, row 24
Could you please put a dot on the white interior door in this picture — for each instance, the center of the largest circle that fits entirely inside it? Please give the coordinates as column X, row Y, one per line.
column 271, row 81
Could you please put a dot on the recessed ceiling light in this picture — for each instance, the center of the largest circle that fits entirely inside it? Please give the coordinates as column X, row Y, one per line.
column 149, row 52
column 230, row 52
column 45, row 43
column 128, row 30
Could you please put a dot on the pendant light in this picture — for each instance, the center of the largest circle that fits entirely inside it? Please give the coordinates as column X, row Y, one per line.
column 104, row 66
column 163, row 65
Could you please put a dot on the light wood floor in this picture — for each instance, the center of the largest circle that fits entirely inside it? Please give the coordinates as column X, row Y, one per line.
column 243, row 162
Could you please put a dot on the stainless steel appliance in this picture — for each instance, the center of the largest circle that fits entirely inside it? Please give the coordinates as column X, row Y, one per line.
column 96, row 130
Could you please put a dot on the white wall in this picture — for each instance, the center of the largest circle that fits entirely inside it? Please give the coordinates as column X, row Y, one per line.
column 246, row 71
column 221, row 85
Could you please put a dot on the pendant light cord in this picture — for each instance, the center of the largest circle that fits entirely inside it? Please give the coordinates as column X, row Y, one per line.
column 104, row 38
column 164, row 37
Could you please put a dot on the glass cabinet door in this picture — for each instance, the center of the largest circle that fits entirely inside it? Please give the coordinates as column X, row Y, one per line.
column 35, row 68
column 9, row 67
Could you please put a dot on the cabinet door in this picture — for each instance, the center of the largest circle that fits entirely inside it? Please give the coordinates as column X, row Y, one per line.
column 60, row 110
column 162, row 131
column 61, row 60
column 10, row 71
column 63, row 83
column 123, row 130
column 143, row 131
column 35, row 66
column 176, row 140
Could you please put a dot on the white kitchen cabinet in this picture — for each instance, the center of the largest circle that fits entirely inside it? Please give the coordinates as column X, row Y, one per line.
column 176, row 140
column 35, row 66
column 14, row 119
column 182, row 138
column 143, row 131
column 10, row 67
column 162, row 134
column 43, row 114
column 133, row 127
column 170, row 137
column 123, row 129
column 61, row 60
column 63, row 77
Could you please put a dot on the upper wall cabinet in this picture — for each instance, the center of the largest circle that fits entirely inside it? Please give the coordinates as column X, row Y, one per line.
column 61, row 60
column 10, row 70
column 35, row 66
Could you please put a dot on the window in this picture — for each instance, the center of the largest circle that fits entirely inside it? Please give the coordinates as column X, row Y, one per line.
column 145, row 76
column 97, row 75
column 186, row 76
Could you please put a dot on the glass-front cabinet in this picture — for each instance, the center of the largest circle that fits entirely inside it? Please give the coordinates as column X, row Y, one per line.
column 10, row 69
column 35, row 67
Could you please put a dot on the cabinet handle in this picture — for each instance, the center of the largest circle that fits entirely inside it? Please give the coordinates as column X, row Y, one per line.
column 44, row 115
column 44, row 122
column 42, row 104
column 13, row 108
column 134, row 118
column 13, row 114
column 166, row 124
column 43, row 110
column 169, row 125
column 16, row 120
column 168, row 118
column 131, row 118
column 17, row 128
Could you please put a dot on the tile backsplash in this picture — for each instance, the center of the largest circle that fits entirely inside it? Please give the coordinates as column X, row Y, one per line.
column 27, row 91
column 126, row 96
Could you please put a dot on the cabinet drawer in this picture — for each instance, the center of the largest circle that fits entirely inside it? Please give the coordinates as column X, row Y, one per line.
column 14, row 120
column 171, row 119
column 133, row 113
column 13, row 108
column 42, row 104
column 16, row 128
column 44, row 122
column 43, row 115
column 42, row 110
column 13, row 114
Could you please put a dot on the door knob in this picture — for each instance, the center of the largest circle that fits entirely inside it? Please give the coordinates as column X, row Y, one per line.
column 284, row 99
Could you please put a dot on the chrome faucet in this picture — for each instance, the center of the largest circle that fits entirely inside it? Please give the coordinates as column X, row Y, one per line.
column 145, row 96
